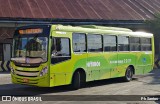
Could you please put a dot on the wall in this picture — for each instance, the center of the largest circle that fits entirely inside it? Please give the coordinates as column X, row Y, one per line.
column 6, row 34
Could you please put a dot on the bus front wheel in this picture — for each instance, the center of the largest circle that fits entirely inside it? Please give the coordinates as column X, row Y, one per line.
column 128, row 75
column 76, row 81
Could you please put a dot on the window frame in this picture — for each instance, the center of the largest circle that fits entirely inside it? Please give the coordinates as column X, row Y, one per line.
column 69, row 57
column 115, row 43
column 85, row 42
column 102, row 50
column 145, row 44
column 134, row 44
column 118, row 50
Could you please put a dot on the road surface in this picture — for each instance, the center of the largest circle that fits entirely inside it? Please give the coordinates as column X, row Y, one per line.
column 141, row 85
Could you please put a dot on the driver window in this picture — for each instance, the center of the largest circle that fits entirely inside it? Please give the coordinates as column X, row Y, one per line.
column 60, row 50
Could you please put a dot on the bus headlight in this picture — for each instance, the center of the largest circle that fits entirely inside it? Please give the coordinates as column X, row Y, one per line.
column 44, row 71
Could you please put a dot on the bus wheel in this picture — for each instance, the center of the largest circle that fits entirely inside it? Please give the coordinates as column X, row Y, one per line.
column 76, row 81
column 128, row 74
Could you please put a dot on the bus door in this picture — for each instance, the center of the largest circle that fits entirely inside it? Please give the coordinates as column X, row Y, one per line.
column 60, row 60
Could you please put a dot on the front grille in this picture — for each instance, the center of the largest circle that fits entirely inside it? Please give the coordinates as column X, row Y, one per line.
column 27, row 83
column 26, row 73
column 35, row 65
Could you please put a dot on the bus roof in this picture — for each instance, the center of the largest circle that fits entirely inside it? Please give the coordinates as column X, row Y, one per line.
column 106, row 28
column 103, row 31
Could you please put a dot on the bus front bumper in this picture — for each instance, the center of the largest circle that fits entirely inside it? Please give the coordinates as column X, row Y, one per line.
column 33, row 81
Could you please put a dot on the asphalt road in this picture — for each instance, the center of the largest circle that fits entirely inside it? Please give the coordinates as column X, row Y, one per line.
column 141, row 85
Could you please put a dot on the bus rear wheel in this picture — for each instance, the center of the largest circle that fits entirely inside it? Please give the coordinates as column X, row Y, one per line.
column 128, row 75
column 76, row 81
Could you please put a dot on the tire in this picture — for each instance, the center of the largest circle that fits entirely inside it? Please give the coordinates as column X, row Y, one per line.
column 128, row 75
column 76, row 81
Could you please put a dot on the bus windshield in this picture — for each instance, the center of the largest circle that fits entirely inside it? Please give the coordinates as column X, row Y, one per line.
column 30, row 49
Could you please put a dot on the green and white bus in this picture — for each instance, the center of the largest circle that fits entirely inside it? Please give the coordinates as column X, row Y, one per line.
column 55, row 55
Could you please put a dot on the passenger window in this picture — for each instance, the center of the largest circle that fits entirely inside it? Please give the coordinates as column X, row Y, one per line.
column 79, row 42
column 94, row 43
column 109, row 43
column 145, row 44
column 60, row 50
column 123, row 43
column 134, row 43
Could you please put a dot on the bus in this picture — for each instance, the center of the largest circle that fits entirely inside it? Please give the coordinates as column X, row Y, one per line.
column 55, row 55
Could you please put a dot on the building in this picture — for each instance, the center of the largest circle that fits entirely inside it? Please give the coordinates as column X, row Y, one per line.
column 124, row 13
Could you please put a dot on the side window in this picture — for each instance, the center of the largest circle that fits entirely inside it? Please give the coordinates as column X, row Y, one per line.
column 79, row 42
column 60, row 50
column 109, row 43
column 134, row 43
column 145, row 44
column 123, row 43
column 94, row 43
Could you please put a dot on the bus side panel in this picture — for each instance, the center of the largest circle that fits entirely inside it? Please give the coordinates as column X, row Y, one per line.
column 144, row 62
column 94, row 64
column 139, row 63
column 79, row 62
column 148, row 63
column 124, row 60
column 109, row 65
column 112, row 63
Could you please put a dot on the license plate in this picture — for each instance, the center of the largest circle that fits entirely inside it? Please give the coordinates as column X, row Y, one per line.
column 25, row 80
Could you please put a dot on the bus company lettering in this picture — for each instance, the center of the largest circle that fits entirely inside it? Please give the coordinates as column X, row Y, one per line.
column 93, row 64
column 121, row 61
